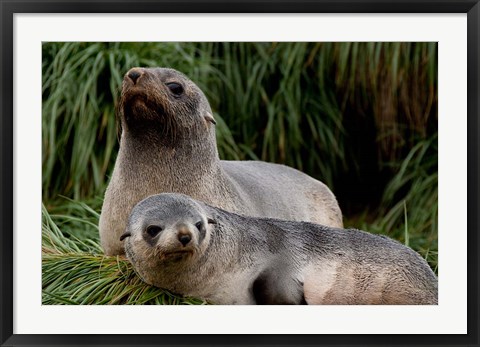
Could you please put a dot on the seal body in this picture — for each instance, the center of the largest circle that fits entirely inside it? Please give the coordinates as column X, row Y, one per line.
column 168, row 144
column 201, row 251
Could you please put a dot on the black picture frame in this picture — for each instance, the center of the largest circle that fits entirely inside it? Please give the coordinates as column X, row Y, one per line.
column 9, row 7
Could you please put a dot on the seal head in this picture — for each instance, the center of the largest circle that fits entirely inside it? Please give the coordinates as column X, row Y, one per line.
column 163, row 104
column 166, row 238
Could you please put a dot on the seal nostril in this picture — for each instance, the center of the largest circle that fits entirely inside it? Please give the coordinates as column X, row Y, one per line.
column 134, row 75
column 184, row 239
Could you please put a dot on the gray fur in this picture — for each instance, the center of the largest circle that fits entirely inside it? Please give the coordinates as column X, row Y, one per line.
column 168, row 144
column 248, row 260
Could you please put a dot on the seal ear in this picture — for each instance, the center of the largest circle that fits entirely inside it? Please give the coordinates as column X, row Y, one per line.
column 209, row 118
column 211, row 221
column 125, row 235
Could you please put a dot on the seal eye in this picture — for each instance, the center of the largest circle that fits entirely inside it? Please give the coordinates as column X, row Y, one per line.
column 153, row 230
column 199, row 225
column 175, row 88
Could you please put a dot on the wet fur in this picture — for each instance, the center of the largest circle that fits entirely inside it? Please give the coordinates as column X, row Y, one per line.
column 248, row 260
column 168, row 144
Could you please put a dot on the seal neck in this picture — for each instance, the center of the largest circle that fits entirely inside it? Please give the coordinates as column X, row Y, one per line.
column 184, row 167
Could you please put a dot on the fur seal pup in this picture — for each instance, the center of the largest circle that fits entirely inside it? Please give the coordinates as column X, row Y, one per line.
column 194, row 249
column 168, row 144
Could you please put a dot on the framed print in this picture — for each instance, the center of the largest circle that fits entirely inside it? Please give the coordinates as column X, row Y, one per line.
column 105, row 104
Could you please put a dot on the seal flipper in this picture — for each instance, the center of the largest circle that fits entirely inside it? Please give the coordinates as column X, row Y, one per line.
column 272, row 288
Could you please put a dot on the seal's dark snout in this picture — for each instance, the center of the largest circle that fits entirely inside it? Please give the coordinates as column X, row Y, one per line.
column 134, row 74
column 184, row 239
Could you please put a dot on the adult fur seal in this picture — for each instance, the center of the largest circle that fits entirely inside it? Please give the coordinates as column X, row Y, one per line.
column 194, row 249
column 168, row 144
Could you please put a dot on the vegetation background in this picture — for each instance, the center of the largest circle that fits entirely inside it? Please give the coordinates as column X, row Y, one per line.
column 360, row 116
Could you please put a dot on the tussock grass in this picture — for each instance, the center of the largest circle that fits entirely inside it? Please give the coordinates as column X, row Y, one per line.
column 87, row 279
column 292, row 103
column 409, row 208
